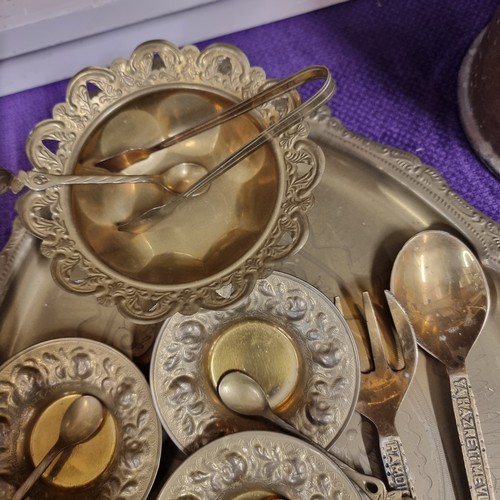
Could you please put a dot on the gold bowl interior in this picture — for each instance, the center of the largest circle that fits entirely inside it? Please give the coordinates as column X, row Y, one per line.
column 207, row 233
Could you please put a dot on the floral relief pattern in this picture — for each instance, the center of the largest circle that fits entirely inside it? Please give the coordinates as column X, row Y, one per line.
column 54, row 368
column 186, row 401
column 258, row 460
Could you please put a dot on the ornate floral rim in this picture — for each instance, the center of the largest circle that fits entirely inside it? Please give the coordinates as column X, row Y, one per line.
column 47, row 214
column 51, row 369
column 258, row 460
column 184, row 397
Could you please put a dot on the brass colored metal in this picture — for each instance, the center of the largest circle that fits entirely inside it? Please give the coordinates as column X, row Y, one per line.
column 225, row 239
column 149, row 218
column 258, row 495
column 371, row 199
column 175, row 180
column 261, row 349
column 244, row 395
column 39, row 383
column 126, row 158
column 81, row 420
column 441, row 284
column 284, row 328
column 211, row 232
column 383, row 389
column 86, row 462
column 261, row 461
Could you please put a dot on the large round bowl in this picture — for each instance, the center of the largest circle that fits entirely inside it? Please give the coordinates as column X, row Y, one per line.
column 210, row 251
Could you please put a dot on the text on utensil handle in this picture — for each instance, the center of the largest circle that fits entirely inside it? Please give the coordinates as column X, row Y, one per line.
column 394, row 460
column 471, row 438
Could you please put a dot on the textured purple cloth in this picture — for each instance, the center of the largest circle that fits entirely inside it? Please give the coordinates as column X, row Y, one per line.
column 396, row 65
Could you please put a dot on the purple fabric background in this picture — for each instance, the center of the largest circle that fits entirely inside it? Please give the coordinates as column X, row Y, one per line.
column 395, row 63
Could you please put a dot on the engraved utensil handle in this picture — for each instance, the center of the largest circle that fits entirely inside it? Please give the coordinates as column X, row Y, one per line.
column 38, row 181
column 470, row 435
column 396, row 465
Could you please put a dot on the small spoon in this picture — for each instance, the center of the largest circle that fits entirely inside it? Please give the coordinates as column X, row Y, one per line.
column 82, row 419
column 175, row 180
column 242, row 394
column 442, row 286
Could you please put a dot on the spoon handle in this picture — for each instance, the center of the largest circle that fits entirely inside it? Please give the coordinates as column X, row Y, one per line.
column 470, row 435
column 37, row 472
column 38, row 181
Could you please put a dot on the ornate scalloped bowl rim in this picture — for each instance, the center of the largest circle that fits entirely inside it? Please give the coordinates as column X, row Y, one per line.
column 222, row 69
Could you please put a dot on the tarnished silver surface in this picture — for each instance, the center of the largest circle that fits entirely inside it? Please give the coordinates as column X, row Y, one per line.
column 443, row 287
column 371, row 200
column 384, row 387
column 322, row 396
column 37, row 377
column 259, row 461
column 221, row 238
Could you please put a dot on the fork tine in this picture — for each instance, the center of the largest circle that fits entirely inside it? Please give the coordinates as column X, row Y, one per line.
column 338, row 304
column 362, row 344
column 374, row 333
column 404, row 331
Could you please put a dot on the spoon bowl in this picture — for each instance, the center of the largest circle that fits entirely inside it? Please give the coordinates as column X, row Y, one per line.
column 82, row 419
column 441, row 284
column 444, row 291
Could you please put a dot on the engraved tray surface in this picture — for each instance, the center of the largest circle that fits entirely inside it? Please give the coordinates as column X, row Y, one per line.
column 371, row 199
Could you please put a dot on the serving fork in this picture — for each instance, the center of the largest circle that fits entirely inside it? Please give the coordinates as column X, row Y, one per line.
column 383, row 388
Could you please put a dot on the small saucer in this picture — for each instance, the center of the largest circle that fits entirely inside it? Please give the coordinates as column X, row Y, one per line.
column 257, row 465
column 287, row 335
column 36, row 387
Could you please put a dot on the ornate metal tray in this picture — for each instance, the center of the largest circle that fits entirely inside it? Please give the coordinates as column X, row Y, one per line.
column 370, row 201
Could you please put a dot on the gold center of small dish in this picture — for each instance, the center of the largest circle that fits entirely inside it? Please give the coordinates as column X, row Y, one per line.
column 264, row 351
column 85, row 462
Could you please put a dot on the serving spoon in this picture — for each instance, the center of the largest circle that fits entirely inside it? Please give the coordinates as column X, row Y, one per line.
column 242, row 394
column 442, row 286
column 82, row 419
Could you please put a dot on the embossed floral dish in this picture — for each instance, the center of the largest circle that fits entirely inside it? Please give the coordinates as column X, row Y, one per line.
column 257, row 465
column 285, row 334
column 36, row 387
column 210, row 251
